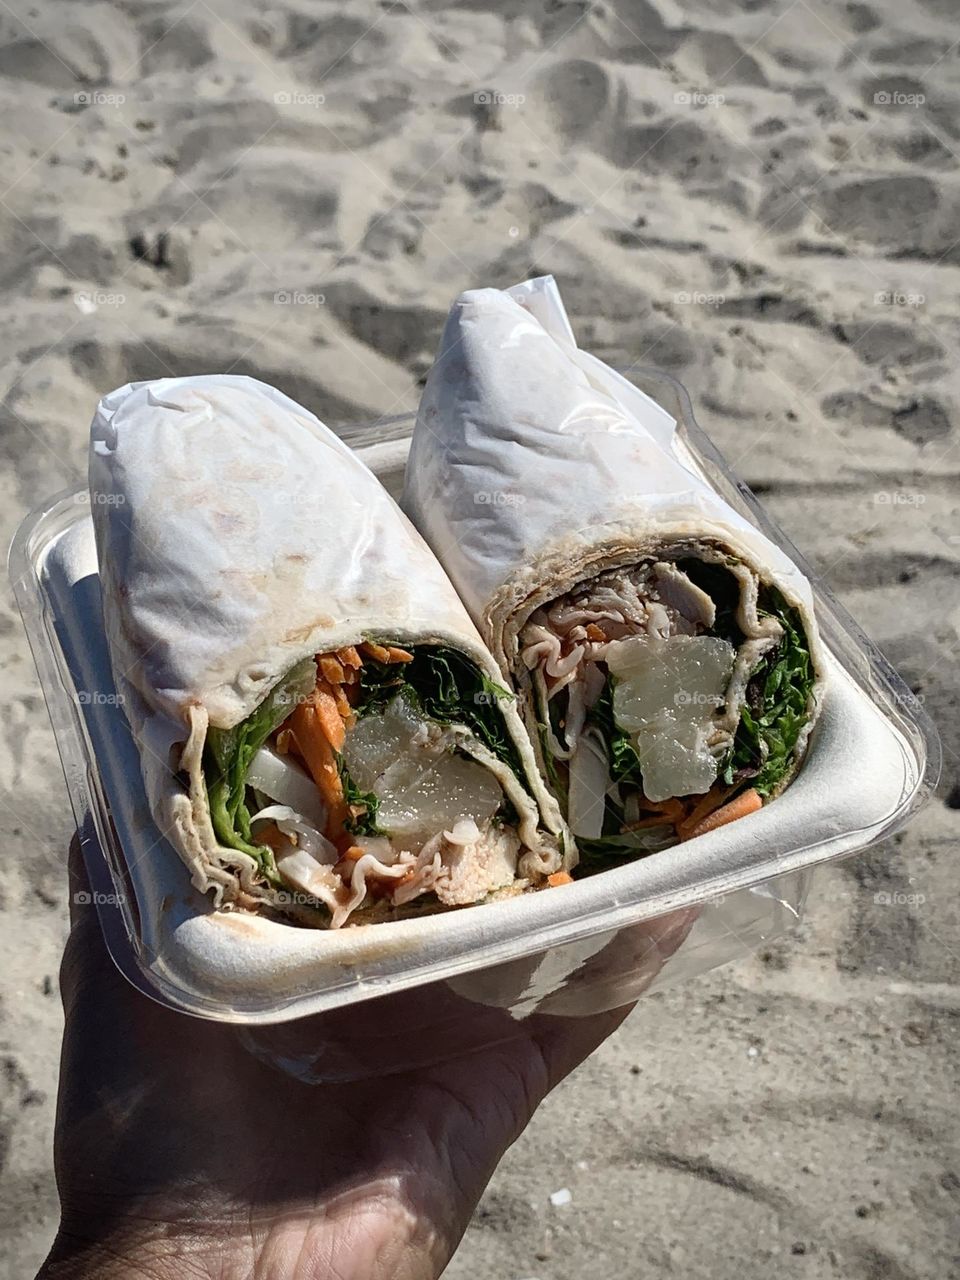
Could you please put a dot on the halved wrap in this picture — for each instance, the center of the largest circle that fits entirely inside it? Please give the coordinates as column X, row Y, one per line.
column 664, row 651
column 321, row 730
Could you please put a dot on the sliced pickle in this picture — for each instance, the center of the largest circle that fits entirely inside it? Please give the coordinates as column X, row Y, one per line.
column 665, row 697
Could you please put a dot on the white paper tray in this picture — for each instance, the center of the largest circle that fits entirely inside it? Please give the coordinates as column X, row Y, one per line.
column 873, row 760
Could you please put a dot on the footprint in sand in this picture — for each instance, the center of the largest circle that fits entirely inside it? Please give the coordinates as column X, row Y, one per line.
column 898, row 94
column 220, row 129
column 398, row 331
column 577, row 95
column 680, row 148
column 92, row 44
column 910, row 53
column 334, row 46
column 273, row 187
column 892, row 212
column 712, row 59
column 919, row 420
column 632, row 31
column 176, row 45
column 922, row 148
column 889, row 343
column 862, row 18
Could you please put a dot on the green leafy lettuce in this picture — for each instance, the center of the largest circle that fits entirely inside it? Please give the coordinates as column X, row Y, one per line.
column 778, row 694
column 613, row 850
column 229, row 753
column 449, row 688
column 621, row 750
column 776, row 707
column 365, row 823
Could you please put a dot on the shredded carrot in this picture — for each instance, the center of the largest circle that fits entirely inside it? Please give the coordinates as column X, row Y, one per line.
column 342, row 704
column 670, row 810
column 340, row 683
column 560, row 877
column 398, row 655
column 654, row 820
column 378, row 652
column 324, row 701
column 702, row 805
column 330, row 669
column 595, row 633
column 747, row 802
column 312, row 741
column 385, row 652
column 316, row 730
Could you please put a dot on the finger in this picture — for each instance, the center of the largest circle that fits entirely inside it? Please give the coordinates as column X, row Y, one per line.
column 78, row 881
column 86, row 965
column 567, row 1042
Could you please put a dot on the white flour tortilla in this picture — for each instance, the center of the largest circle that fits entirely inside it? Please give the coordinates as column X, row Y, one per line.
column 534, row 467
column 237, row 535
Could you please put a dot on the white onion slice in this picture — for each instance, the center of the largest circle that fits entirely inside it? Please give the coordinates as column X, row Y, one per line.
column 308, row 837
column 284, row 781
column 589, row 780
column 593, row 682
column 464, row 831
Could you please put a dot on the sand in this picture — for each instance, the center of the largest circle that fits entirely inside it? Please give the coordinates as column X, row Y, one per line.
column 761, row 198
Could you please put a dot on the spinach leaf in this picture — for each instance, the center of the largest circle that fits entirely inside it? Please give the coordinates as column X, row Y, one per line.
column 612, row 851
column 229, row 753
column 364, row 824
column 777, row 707
column 557, row 783
column 622, row 753
column 450, row 689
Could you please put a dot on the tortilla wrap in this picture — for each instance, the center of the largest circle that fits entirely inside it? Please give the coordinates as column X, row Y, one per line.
column 238, row 538
column 535, row 470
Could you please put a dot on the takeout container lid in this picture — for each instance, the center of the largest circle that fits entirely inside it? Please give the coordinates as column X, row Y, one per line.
column 873, row 760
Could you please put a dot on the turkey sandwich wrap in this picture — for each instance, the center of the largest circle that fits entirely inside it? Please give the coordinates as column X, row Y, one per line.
column 321, row 730
column 664, row 651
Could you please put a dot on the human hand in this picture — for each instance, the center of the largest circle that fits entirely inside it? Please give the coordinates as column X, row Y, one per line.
column 179, row 1152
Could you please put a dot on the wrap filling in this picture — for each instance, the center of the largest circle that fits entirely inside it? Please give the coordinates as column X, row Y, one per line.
column 672, row 696
column 371, row 777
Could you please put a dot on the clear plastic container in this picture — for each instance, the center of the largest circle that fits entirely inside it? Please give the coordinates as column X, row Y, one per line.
column 444, row 984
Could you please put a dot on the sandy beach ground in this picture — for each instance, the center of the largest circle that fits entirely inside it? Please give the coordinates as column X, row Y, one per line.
column 761, row 198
